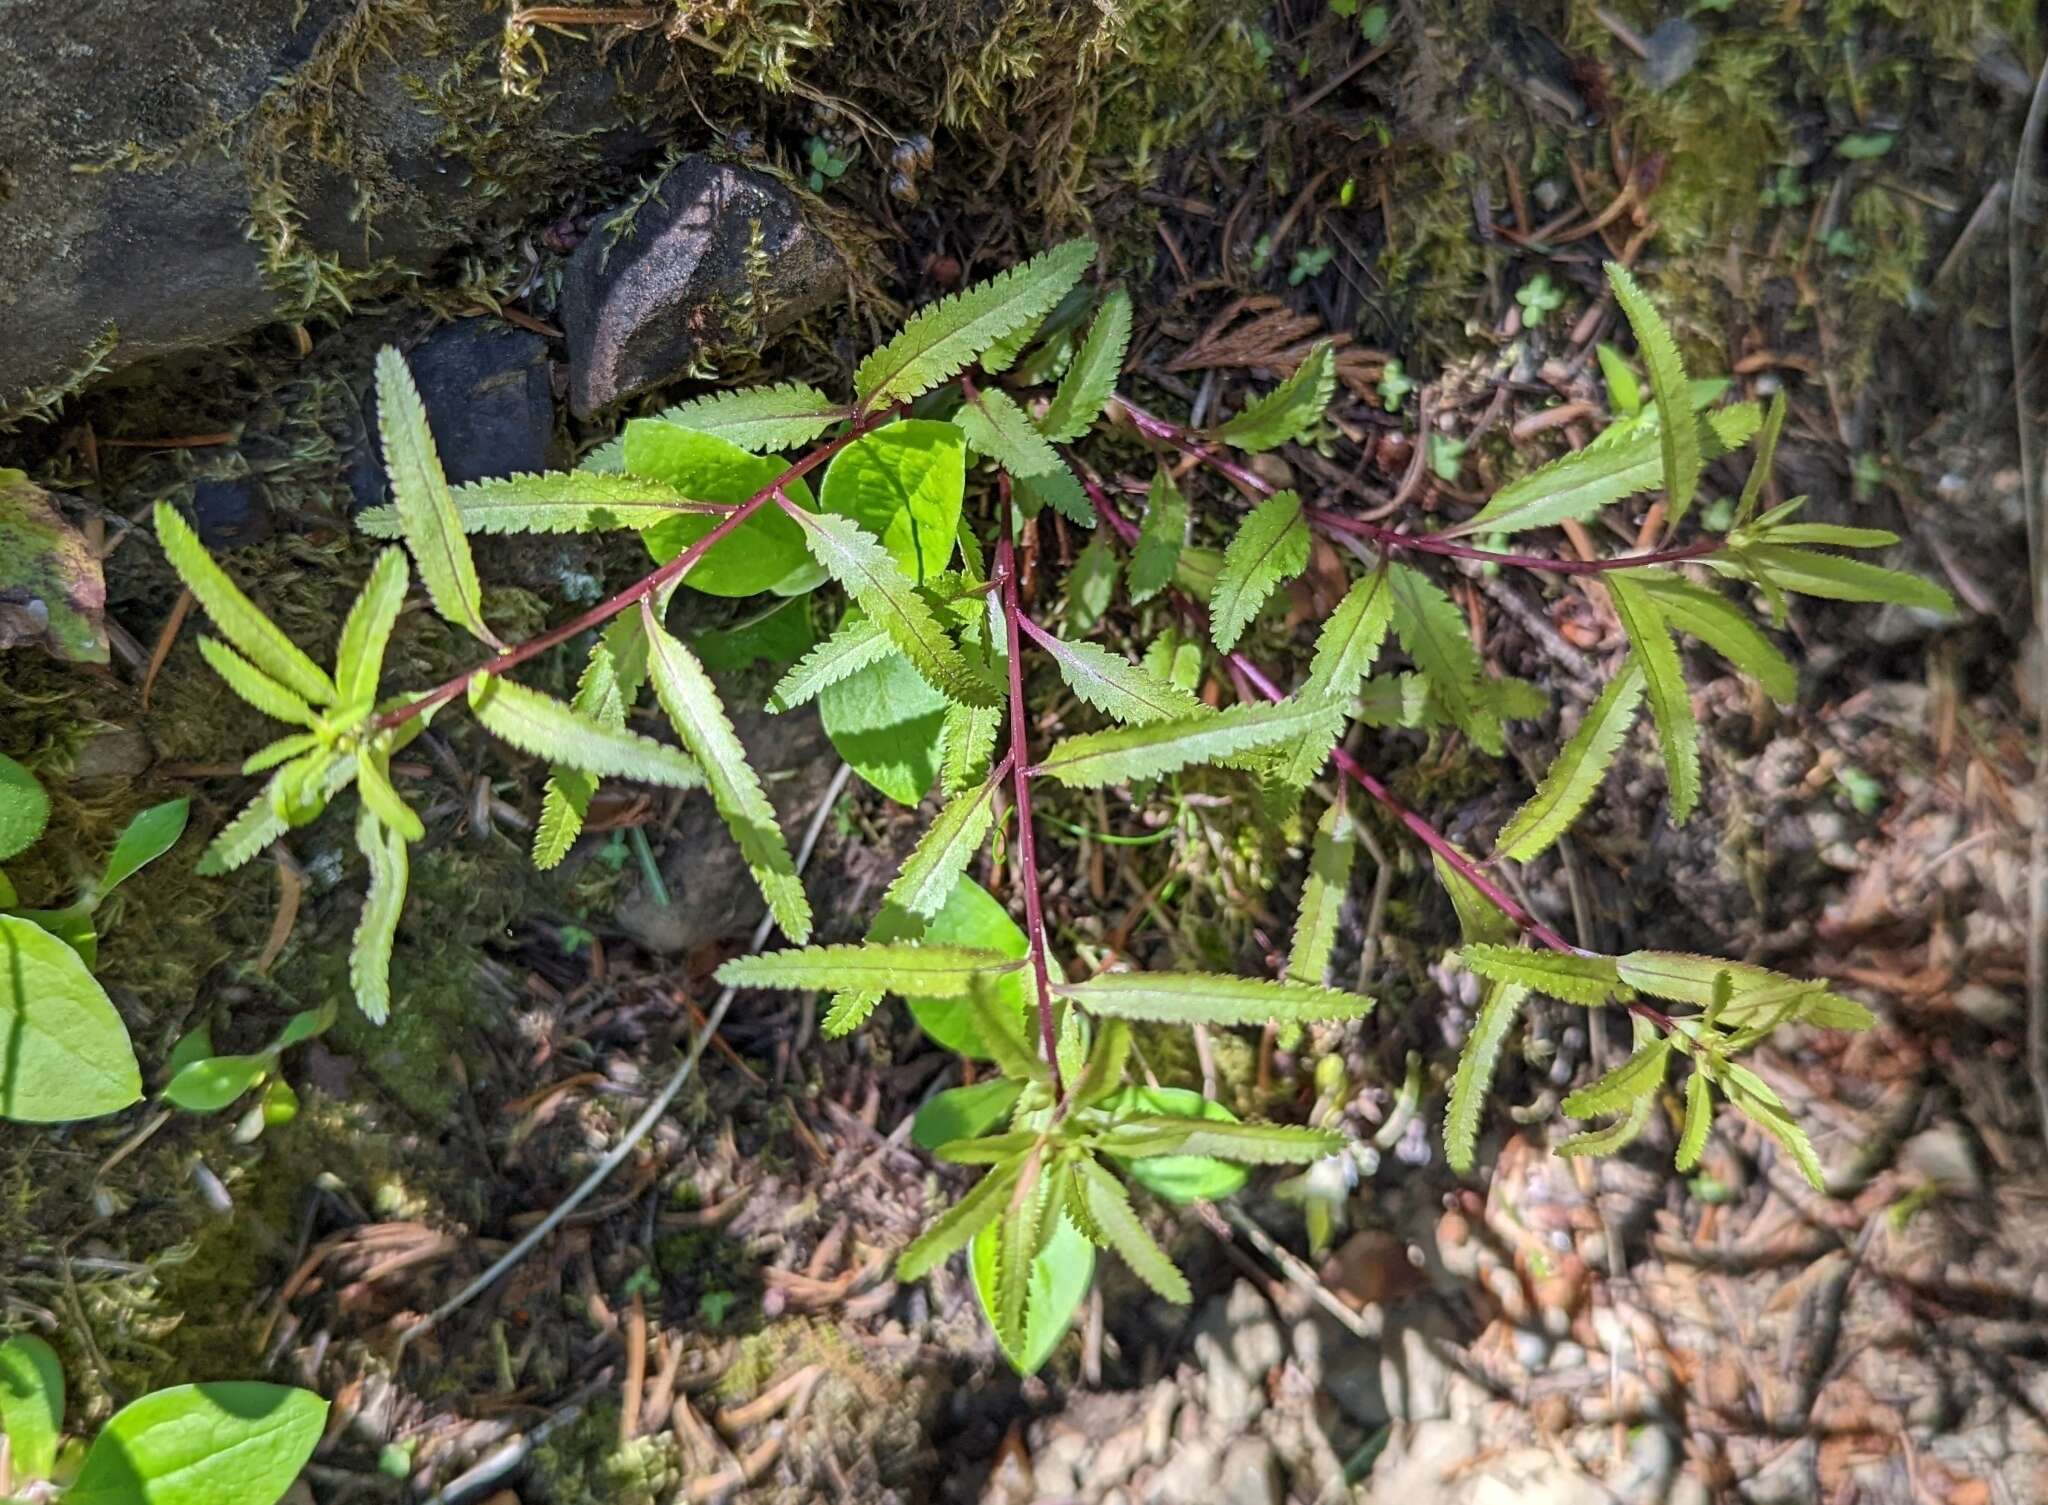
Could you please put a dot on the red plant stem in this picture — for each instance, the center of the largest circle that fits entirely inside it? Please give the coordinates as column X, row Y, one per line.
column 1392, row 539
column 1020, row 783
column 647, row 586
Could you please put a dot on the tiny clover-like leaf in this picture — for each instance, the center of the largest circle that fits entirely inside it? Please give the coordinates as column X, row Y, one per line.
column 1090, row 380
column 1498, row 1010
column 420, row 494
column 1571, row 977
column 941, row 340
column 1570, row 783
column 255, row 635
column 1211, row 998
column 1677, row 436
column 902, row 967
column 1269, row 548
column 1678, row 731
column 1291, row 409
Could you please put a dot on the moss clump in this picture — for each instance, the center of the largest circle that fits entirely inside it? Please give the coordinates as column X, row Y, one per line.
column 585, row 1464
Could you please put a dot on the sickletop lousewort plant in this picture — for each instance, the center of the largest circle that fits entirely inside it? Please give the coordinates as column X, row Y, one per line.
column 932, row 597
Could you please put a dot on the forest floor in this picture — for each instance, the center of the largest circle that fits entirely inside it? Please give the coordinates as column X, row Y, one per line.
column 719, row 1321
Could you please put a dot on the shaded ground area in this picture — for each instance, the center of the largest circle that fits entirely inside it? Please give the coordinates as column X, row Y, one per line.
column 1821, row 200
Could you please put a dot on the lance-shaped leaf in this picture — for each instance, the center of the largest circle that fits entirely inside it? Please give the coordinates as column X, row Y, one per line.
column 570, row 790
column 1699, row 1121
column 854, row 644
column 999, row 429
column 1766, row 454
column 864, row 568
column 941, row 855
column 1322, row 896
column 761, row 419
column 967, row 741
column 1057, row 489
column 1346, row 649
column 1115, row 686
column 1763, row 1109
column 1570, row 782
column 698, row 715
column 254, row 686
column 1102, row 1210
column 258, row 638
column 283, row 750
column 941, row 340
column 964, row 1113
column 548, row 728
column 1091, row 379
column 1498, row 1011
column 1249, row 1143
column 369, row 956
column 577, row 501
column 1570, row 976
column 1756, row 993
column 1269, row 548
column 260, row 823
column 901, row 967
column 1722, row 626
column 1637, row 1077
column 1832, row 535
column 1096, row 759
column 373, row 783
column 359, row 660
column 1834, row 578
column 1433, row 631
column 1291, row 409
column 959, row 1223
column 1061, row 1275
column 1678, row 732
column 1615, row 1137
column 1678, row 438
column 1211, row 998
column 427, row 518
column 1161, row 537
column 1021, row 1236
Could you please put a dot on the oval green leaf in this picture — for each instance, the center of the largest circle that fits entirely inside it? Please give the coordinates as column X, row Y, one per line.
column 67, row 1054
column 886, row 721
column 31, row 1404
column 24, row 808
column 758, row 555
column 1060, row 1276
column 237, row 1443
column 1177, row 1178
column 971, row 917
column 212, row 1082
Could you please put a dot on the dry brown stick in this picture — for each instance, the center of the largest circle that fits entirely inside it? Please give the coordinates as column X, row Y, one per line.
column 635, row 1385
column 180, row 609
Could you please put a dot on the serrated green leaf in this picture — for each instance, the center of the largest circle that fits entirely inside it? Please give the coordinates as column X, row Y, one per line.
column 941, row 340
column 1766, row 455
column 1755, row 994
column 1832, row 535
column 1476, row 1065
column 941, row 855
column 1096, row 759
column 283, row 750
column 903, row 483
column 1678, row 440
column 1723, row 627
column 860, row 564
column 31, row 1404
column 1833, row 578
column 427, row 518
column 959, row 1223
column 1571, row 488
column 359, row 660
column 1103, row 1072
column 1107, row 1211
column 1699, row 1120
column 1019, row 1237
column 905, row 968
column 1480, row 920
column 298, row 791
column 1570, row 782
column 1269, row 548
column 967, row 742
column 1246, row 1143
column 570, row 790
column 1613, row 1138
column 1090, row 381
column 887, row 722
column 761, row 419
column 1291, row 409
column 254, row 686
column 1678, row 731
column 1773, row 1118
column 1211, row 998
column 1434, row 632
column 1572, row 977
column 1161, row 537
column 1346, row 649
column 849, row 1011
column 1637, row 1077
column 258, row 638
column 259, row 823
column 1060, row 1277
column 1118, row 688
column 1322, row 895
column 764, row 553
column 854, row 644
column 369, row 957
column 575, row 501
column 1058, row 489
column 548, row 728
column 698, row 715
column 373, row 783
column 1004, row 432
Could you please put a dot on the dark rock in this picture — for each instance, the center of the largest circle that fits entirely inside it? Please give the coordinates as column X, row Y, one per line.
column 717, row 256
column 489, row 400
column 230, row 514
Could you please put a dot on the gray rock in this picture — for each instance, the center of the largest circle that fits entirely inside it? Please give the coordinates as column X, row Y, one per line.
column 716, row 257
column 1238, row 1343
column 1248, row 1475
column 1415, row 1469
column 1414, row 1379
column 1338, row 1363
column 1534, row 1476
column 1186, row 1478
